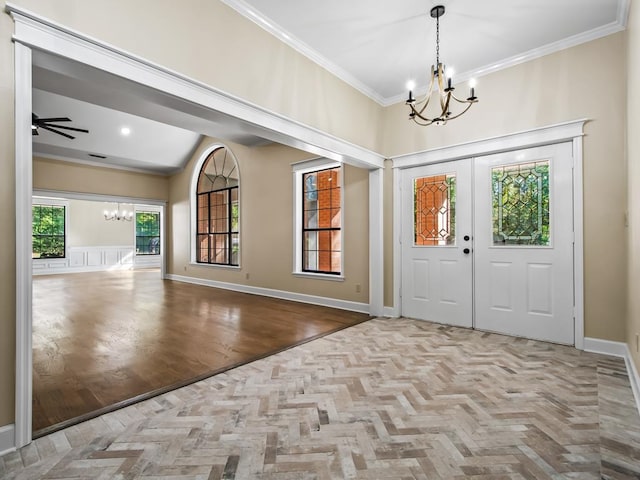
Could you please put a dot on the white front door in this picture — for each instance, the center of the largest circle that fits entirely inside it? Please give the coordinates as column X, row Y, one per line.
column 488, row 242
column 524, row 243
column 436, row 243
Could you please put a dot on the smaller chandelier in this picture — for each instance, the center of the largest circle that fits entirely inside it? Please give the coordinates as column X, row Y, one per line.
column 445, row 91
column 118, row 214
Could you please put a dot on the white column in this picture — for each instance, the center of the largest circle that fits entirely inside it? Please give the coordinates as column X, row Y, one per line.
column 376, row 250
column 24, row 187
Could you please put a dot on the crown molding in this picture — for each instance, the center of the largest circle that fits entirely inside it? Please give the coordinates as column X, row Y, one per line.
column 279, row 32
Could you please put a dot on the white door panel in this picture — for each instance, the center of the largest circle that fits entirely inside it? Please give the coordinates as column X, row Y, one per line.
column 437, row 274
column 524, row 270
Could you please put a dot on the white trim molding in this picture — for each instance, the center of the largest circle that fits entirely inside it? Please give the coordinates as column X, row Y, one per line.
column 572, row 131
column 617, row 349
column 270, row 292
column 33, row 30
column 94, row 258
column 7, row 439
column 24, row 232
column 299, row 169
column 536, row 137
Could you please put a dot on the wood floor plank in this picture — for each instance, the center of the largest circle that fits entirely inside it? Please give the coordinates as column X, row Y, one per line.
column 100, row 339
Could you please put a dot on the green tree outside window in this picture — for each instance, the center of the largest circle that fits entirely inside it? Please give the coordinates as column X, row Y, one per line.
column 147, row 233
column 48, row 227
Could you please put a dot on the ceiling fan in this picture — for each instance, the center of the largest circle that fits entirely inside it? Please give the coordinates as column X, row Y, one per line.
column 47, row 124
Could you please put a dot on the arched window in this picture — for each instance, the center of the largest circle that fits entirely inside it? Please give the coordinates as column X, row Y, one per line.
column 217, row 210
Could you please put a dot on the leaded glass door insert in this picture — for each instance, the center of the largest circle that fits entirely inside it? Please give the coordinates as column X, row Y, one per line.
column 520, row 201
column 434, row 210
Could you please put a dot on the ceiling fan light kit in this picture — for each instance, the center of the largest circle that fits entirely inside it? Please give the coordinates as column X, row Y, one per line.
column 445, row 91
column 49, row 124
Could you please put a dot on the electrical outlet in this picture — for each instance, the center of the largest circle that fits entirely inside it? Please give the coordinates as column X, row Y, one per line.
column 637, row 342
column 358, row 288
column 246, row 276
column 185, row 268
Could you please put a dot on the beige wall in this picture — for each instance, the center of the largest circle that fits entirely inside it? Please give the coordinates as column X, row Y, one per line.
column 210, row 42
column 586, row 81
column 88, row 227
column 633, row 156
column 266, row 222
column 74, row 177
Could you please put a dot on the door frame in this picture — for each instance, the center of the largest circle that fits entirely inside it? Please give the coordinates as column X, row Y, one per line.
column 572, row 131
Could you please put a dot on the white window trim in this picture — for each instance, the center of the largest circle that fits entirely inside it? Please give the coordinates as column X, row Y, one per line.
column 299, row 169
column 56, row 202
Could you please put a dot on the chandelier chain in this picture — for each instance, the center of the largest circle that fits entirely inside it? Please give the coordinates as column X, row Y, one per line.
column 438, row 40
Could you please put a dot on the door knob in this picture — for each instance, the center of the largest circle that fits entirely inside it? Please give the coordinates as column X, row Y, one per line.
column 466, row 238
column 466, row 251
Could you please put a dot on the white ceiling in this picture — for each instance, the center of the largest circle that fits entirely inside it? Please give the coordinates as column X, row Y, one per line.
column 150, row 145
column 379, row 45
column 375, row 45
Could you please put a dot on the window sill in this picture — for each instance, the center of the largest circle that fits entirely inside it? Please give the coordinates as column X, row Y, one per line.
column 319, row 276
column 214, row 265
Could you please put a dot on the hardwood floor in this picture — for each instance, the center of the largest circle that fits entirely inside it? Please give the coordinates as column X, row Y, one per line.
column 104, row 340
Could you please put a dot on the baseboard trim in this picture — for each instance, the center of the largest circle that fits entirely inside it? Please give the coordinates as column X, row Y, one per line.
column 606, row 347
column 281, row 294
column 7, row 439
column 390, row 312
column 617, row 349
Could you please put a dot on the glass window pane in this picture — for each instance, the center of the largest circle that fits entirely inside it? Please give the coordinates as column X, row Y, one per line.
column 520, row 196
column 434, row 210
column 235, row 249
column 218, row 212
column 48, row 231
column 147, row 233
column 321, row 221
column 203, row 248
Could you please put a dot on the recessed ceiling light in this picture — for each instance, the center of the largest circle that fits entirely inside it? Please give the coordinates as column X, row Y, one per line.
column 125, row 131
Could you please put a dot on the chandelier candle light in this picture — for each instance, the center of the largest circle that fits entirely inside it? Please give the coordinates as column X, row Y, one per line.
column 117, row 214
column 445, row 93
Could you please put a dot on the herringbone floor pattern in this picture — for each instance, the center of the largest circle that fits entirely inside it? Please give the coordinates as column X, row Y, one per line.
column 386, row 399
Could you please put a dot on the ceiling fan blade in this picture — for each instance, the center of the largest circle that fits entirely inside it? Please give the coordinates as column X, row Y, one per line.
column 68, row 128
column 56, row 131
column 53, row 119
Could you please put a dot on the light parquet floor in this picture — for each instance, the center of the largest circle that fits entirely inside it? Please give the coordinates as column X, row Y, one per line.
column 385, row 399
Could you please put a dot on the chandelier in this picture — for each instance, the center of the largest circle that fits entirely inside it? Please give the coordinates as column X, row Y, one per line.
column 445, row 91
column 118, row 214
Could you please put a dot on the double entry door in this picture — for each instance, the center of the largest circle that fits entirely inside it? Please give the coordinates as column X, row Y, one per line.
column 487, row 242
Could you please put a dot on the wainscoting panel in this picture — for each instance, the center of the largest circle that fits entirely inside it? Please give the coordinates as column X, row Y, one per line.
column 95, row 258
